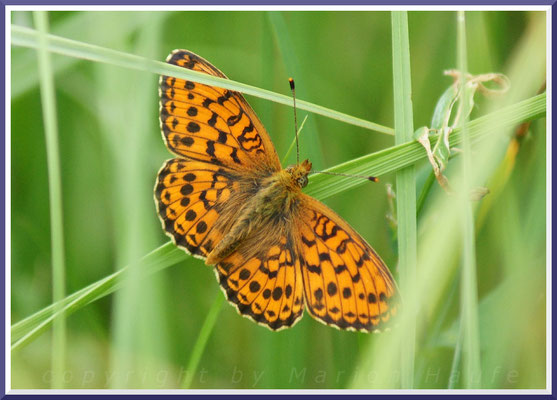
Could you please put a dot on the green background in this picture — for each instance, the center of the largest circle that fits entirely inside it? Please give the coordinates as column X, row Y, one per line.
column 111, row 150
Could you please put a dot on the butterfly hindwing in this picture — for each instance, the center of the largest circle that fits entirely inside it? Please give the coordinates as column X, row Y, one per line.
column 346, row 284
column 264, row 284
column 212, row 124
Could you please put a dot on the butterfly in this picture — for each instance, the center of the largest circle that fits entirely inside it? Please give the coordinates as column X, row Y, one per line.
column 226, row 199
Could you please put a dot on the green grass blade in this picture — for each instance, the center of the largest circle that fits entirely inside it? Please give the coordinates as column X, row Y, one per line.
column 468, row 293
column 396, row 157
column 134, row 336
column 405, row 190
column 24, row 331
column 48, row 100
column 202, row 339
column 26, row 37
column 455, row 365
column 428, row 185
column 293, row 143
column 121, row 25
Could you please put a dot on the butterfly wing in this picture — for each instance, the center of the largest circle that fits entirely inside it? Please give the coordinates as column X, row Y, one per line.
column 346, row 284
column 263, row 279
column 208, row 123
column 191, row 197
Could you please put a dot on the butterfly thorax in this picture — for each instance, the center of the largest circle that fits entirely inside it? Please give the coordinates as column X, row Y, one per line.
column 274, row 204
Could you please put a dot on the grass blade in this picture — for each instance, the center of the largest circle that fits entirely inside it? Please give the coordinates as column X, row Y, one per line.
column 293, row 143
column 202, row 339
column 134, row 336
column 24, row 331
column 468, row 293
column 402, row 155
column 48, row 100
column 405, row 189
column 26, row 37
column 121, row 25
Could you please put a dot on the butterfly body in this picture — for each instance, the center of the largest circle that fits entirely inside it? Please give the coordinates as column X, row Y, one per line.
column 275, row 201
column 226, row 199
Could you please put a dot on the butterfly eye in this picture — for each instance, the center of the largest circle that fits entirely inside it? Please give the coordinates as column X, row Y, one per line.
column 302, row 181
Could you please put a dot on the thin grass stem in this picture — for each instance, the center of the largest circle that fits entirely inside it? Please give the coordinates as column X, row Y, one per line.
column 26, row 330
column 455, row 364
column 202, row 339
column 469, row 296
column 26, row 37
column 406, row 190
column 48, row 102
column 291, row 147
column 402, row 155
column 428, row 184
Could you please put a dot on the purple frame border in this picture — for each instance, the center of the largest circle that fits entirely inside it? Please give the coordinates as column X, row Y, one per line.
column 286, row 2
column 3, row 5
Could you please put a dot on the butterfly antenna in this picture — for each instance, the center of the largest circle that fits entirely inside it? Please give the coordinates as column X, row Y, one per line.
column 368, row 177
column 293, row 89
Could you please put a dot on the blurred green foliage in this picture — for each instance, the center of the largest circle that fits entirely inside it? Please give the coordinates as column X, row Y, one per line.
column 111, row 150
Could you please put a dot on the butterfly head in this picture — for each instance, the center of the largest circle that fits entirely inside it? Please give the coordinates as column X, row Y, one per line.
column 299, row 173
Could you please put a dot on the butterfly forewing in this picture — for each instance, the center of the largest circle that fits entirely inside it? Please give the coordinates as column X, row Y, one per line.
column 212, row 124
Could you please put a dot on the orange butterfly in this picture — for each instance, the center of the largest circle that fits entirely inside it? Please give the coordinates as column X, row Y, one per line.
column 226, row 199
